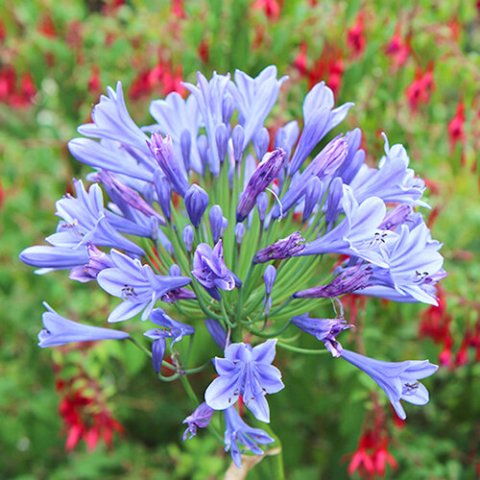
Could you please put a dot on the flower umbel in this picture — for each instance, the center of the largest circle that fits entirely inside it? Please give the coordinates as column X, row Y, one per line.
column 184, row 212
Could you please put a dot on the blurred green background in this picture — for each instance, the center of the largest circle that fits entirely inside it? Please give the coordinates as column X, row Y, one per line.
column 413, row 71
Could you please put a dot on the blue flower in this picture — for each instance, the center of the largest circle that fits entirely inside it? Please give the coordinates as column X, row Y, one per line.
column 255, row 98
column 281, row 249
column 112, row 121
column 266, row 171
column 210, row 270
column 59, row 331
column 319, row 119
column 399, row 380
column 393, row 181
column 179, row 118
column 357, row 234
column 325, row 330
column 414, row 267
column 248, row 372
column 84, row 221
column 136, row 285
column 240, row 437
column 200, row 418
column 170, row 328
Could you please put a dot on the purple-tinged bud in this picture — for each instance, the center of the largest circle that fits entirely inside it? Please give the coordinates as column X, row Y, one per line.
column 350, row 280
column 221, row 137
column 162, row 150
column 238, row 137
column 261, row 142
column 334, row 199
column 175, row 271
column 120, row 193
column 261, row 178
column 177, row 293
column 210, row 270
column 269, row 277
column 283, row 248
column 98, row 261
column 328, row 160
column 216, row 222
column 196, row 202
column 395, row 217
column 165, row 242
column 313, row 194
column 217, row 332
column 164, row 192
column 228, row 106
column 185, row 147
column 187, row 236
column 158, row 352
column 200, row 418
column 262, row 205
column 239, row 232
column 323, row 329
column 202, row 145
column 267, row 305
column 286, row 137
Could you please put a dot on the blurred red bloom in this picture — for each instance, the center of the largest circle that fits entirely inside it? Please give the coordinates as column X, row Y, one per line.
column 3, row 33
column 435, row 321
column 372, row 456
column 420, row 90
column 47, row 27
column 398, row 49
column 94, row 82
column 356, row 36
column 85, row 414
column 456, row 127
column 328, row 67
column 300, row 62
column 271, row 8
column 162, row 79
column 178, row 9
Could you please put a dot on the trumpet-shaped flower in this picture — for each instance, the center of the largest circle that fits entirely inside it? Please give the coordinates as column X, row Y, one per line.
column 248, row 372
column 59, row 330
column 240, row 437
column 399, row 380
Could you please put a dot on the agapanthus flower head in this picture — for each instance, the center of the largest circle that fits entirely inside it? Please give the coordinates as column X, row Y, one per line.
column 183, row 212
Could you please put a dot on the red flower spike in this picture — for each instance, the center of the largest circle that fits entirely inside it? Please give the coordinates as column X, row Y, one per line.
column 300, row 62
column 398, row 49
column 456, row 127
column 271, row 8
column 94, row 82
column 178, row 9
column 356, row 41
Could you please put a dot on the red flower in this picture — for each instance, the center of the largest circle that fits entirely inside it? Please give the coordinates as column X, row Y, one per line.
column 435, row 321
column 203, row 51
column 328, row 67
column 94, row 82
column 372, row 456
column 47, row 27
column 178, row 9
column 85, row 415
column 3, row 33
column 398, row 49
column 456, row 127
column 420, row 90
column 300, row 62
column 356, row 36
column 271, row 8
